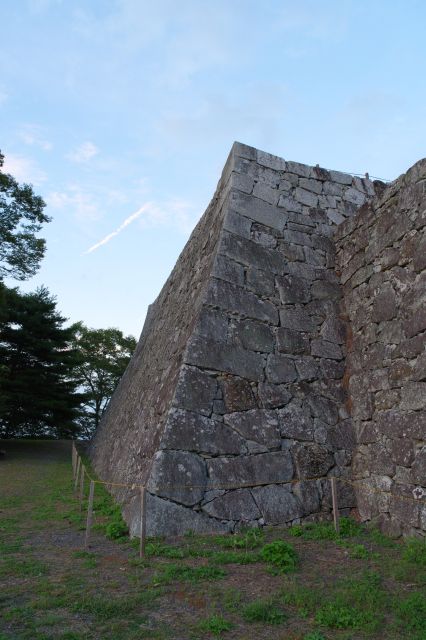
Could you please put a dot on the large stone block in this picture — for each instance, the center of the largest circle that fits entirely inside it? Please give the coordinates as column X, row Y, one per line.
column 260, row 425
column 237, row 394
column 277, row 503
column 279, row 369
column 249, row 471
column 311, row 460
column 235, row 505
column 233, row 298
column 190, row 431
column 179, row 476
column 296, row 422
column 195, row 391
column 224, row 357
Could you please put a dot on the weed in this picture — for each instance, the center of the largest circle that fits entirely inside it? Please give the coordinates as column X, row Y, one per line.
column 381, row 539
column 11, row 547
column 304, row 599
column 325, row 530
column 415, row 551
column 314, row 635
column 412, row 565
column 263, row 611
column 231, row 599
column 411, row 613
column 249, row 539
column 281, row 555
column 191, row 574
column 116, row 530
column 167, row 551
column 216, row 625
column 359, row 551
column 336, row 615
column 22, row 567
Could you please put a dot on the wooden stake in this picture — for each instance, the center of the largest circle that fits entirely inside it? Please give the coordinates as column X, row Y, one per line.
column 83, row 470
column 89, row 514
column 73, row 457
column 77, row 473
column 335, row 504
column 143, row 523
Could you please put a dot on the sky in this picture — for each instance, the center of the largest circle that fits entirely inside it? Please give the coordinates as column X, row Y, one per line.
column 121, row 114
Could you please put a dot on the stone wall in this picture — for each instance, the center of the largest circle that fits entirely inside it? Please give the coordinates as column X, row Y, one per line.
column 381, row 254
column 234, row 403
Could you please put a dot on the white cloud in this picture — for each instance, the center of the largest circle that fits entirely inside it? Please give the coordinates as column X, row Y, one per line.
column 82, row 204
column 82, row 154
column 175, row 213
column 32, row 134
column 24, row 169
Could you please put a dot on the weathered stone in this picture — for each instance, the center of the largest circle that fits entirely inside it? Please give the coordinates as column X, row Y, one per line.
column 323, row 408
column 307, row 368
column 264, row 192
column 192, row 432
column 237, row 224
column 325, row 349
column 233, row 298
column 297, row 319
column 273, row 396
column 416, row 323
column 221, row 356
column 259, row 425
column 384, row 305
column 326, row 290
column 255, row 336
column 262, row 282
column 293, row 290
column 296, row 422
column 311, row 460
column 413, row 396
column 311, row 185
column 291, row 341
column 237, row 394
column 334, row 330
column 257, row 209
column 227, row 473
column 279, row 369
column 277, row 503
column 195, row 391
column 306, row 198
column 242, row 182
column 289, row 204
column 228, row 270
column 235, row 505
column 179, row 476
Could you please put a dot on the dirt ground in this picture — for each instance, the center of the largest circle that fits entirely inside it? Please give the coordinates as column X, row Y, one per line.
column 354, row 587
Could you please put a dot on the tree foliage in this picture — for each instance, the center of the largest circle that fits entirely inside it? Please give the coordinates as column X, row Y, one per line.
column 21, row 218
column 103, row 357
column 38, row 393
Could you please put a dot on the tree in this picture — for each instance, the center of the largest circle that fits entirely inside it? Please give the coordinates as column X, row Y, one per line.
column 104, row 355
column 21, row 218
column 38, row 393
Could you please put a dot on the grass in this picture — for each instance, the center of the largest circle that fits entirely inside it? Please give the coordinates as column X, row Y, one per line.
column 265, row 611
column 305, row 583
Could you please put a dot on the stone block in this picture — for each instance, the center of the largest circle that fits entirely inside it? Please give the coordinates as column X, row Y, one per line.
column 257, row 210
column 291, row 341
column 179, row 476
column 235, row 505
column 195, row 391
column 413, row 396
column 288, row 203
column 237, row 394
column 296, row 422
column 334, row 330
column 254, row 336
column 233, row 298
column 224, row 357
column 264, row 192
column 277, row 503
column 297, row 319
column 252, row 470
column 190, row 431
column 322, row 289
column 311, row 460
column 272, row 162
column 323, row 408
column 165, row 518
column 384, row 304
column 252, row 254
column 324, row 349
column 258, row 425
column 226, row 269
column 273, row 396
column 237, row 224
column 262, row 282
column 242, row 182
column 293, row 289
column 340, row 178
column 309, row 184
column 307, row 368
column 279, row 369
column 306, row 198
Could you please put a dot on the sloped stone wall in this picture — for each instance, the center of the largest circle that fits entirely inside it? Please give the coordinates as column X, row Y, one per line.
column 381, row 255
column 235, row 394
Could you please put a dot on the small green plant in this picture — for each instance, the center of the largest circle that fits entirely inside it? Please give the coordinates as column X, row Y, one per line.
column 248, row 539
column 325, row 530
column 281, row 555
column 358, row 551
column 116, row 530
column 263, row 611
column 215, row 625
column 415, row 551
column 314, row 635
column 303, row 598
column 338, row 616
column 231, row 599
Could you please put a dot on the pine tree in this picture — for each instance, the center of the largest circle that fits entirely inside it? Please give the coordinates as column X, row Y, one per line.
column 37, row 389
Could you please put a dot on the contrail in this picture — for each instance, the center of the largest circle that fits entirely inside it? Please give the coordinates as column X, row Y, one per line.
column 122, row 226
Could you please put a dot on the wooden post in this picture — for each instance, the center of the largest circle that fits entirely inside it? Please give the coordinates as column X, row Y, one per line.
column 77, row 473
column 83, row 470
column 143, row 523
column 335, row 504
column 89, row 514
column 74, row 458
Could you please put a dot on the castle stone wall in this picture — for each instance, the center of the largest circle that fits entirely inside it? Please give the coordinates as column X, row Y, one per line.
column 381, row 254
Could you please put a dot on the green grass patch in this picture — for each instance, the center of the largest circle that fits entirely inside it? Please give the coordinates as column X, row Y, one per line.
column 325, row 530
column 216, row 625
column 265, row 611
column 249, row 539
column 280, row 555
column 411, row 615
column 305, row 599
column 22, row 567
column 234, row 557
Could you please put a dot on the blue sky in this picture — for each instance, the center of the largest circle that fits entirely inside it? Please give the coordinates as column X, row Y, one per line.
column 121, row 113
